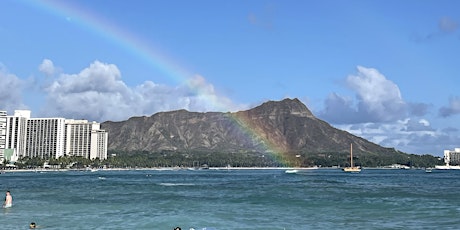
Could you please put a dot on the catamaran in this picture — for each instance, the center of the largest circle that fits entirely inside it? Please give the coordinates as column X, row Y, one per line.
column 352, row 168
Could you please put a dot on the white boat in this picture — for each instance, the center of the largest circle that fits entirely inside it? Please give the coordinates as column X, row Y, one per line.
column 352, row 168
column 396, row 166
column 428, row 170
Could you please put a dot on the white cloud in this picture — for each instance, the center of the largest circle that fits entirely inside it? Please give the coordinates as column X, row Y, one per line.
column 424, row 122
column 408, row 135
column 421, row 125
column 47, row 67
column 11, row 88
column 378, row 96
column 378, row 100
column 379, row 114
column 98, row 93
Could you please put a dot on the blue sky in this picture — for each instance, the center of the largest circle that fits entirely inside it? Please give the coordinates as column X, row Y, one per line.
column 388, row 71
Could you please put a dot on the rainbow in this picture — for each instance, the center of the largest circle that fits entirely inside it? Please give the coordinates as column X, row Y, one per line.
column 146, row 51
column 274, row 149
column 135, row 45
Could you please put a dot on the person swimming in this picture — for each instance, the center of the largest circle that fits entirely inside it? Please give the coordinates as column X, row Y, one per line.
column 32, row 225
column 8, row 200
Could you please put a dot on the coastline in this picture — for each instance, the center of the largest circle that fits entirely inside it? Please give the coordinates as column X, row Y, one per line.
column 189, row 169
column 158, row 169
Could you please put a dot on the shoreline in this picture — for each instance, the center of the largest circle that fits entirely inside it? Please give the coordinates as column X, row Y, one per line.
column 191, row 169
column 161, row 169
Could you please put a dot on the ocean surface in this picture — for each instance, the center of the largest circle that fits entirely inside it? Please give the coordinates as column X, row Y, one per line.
column 233, row 199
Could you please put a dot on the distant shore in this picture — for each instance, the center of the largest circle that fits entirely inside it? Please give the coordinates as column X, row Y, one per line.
column 185, row 168
column 154, row 169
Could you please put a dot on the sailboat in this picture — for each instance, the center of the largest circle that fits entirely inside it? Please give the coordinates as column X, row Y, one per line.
column 352, row 168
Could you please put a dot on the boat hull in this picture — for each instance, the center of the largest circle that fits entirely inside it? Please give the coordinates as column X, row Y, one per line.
column 351, row 169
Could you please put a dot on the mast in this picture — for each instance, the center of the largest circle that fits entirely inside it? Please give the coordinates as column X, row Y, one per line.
column 351, row 155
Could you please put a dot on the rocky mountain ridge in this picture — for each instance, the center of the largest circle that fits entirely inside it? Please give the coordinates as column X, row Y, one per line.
column 283, row 126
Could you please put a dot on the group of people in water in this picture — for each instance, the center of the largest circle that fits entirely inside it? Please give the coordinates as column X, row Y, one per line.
column 9, row 203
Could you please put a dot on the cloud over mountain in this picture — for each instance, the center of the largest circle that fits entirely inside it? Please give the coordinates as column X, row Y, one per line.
column 380, row 114
column 99, row 93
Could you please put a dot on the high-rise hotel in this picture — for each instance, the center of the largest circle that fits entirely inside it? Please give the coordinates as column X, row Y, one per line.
column 16, row 127
column 85, row 139
column 23, row 136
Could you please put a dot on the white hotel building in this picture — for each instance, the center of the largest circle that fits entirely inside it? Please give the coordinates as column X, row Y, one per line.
column 17, row 129
column 85, row 139
column 51, row 137
column 452, row 157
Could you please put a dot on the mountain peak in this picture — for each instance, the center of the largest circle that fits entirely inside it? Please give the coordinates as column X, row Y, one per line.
column 284, row 107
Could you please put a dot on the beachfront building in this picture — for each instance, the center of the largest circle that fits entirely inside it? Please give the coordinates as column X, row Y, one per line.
column 2, row 135
column 85, row 139
column 51, row 137
column 99, row 140
column 16, row 127
column 452, row 157
column 45, row 138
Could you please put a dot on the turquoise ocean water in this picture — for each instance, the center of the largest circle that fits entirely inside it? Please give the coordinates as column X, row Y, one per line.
column 233, row 199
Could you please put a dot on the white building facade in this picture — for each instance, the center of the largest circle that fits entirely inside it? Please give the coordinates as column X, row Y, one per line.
column 49, row 138
column 99, row 140
column 45, row 138
column 85, row 139
column 452, row 157
column 16, row 127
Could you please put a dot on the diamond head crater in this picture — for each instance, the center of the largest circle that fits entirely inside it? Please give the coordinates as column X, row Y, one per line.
column 274, row 134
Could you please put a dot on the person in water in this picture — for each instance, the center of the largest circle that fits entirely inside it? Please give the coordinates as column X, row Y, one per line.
column 177, row 228
column 32, row 225
column 8, row 200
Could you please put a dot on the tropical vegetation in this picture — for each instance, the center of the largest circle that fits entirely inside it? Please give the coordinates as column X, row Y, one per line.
column 145, row 159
